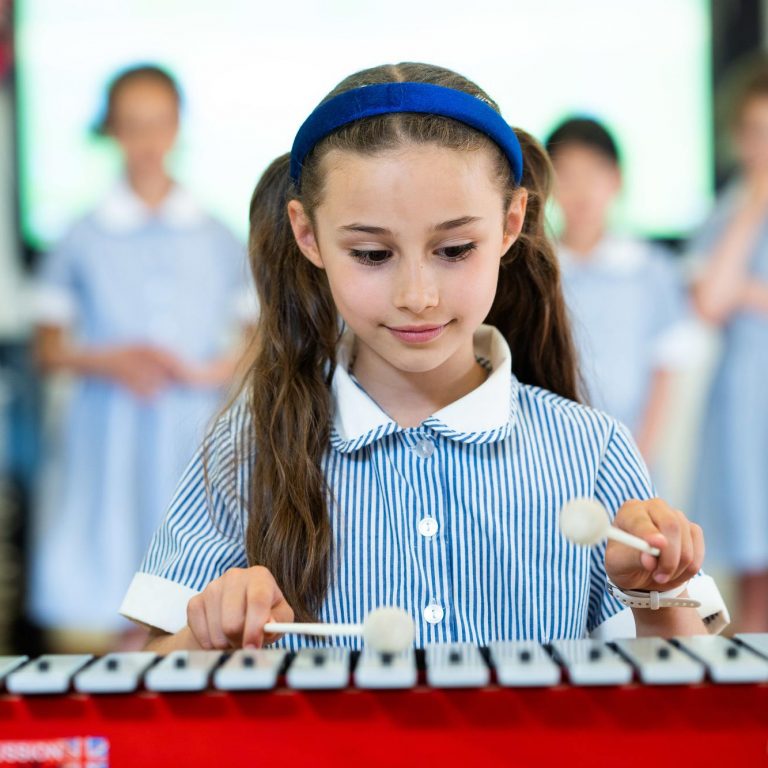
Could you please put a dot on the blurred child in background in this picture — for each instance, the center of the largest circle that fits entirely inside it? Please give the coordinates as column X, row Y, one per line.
column 731, row 291
column 139, row 303
column 623, row 294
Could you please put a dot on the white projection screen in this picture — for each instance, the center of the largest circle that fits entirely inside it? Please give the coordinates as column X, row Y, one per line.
column 251, row 71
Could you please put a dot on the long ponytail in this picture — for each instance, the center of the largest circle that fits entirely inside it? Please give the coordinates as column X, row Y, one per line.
column 289, row 531
column 529, row 308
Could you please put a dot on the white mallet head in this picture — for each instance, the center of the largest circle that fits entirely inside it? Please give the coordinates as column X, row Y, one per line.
column 388, row 630
column 584, row 521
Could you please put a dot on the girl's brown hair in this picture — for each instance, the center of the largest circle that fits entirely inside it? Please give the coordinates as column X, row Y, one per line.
column 288, row 383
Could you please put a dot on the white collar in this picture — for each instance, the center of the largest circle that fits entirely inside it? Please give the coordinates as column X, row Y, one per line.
column 122, row 211
column 483, row 415
column 617, row 254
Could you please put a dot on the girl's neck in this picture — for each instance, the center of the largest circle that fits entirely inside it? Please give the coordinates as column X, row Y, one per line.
column 410, row 398
column 150, row 188
column 583, row 240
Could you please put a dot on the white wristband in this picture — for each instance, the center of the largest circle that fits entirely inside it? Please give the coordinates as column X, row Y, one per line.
column 653, row 600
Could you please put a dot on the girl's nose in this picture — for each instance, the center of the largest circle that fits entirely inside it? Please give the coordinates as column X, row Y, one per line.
column 416, row 286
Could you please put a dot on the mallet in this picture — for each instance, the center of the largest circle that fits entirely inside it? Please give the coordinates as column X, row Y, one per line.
column 386, row 630
column 586, row 521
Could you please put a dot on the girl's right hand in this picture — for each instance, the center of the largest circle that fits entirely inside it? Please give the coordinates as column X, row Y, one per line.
column 143, row 369
column 232, row 610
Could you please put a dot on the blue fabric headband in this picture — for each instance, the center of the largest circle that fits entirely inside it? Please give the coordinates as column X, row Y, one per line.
column 370, row 100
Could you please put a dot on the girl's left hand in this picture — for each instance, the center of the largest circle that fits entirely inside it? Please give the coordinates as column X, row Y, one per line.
column 211, row 375
column 681, row 543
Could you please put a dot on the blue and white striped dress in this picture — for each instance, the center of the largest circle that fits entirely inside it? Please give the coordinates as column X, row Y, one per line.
column 455, row 520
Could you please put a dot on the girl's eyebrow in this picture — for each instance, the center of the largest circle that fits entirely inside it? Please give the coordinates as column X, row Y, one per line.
column 446, row 225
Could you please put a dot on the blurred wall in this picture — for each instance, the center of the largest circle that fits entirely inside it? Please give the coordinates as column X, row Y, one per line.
column 11, row 324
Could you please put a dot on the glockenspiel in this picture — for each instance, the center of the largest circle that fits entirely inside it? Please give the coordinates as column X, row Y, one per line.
column 574, row 702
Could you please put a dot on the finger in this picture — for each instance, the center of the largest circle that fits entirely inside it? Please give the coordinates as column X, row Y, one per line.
column 634, row 518
column 281, row 612
column 668, row 523
column 213, row 597
column 166, row 361
column 699, row 549
column 260, row 596
column 686, row 546
column 233, row 613
column 197, row 622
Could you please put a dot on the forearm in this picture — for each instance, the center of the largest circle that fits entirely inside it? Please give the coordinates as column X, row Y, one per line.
column 162, row 642
column 54, row 352
column 718, row 290
column 668, row 622
column 655, row 413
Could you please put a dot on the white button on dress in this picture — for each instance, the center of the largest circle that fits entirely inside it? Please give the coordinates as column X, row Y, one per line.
column 424, row 448
column 434, row 613
column 428, row 527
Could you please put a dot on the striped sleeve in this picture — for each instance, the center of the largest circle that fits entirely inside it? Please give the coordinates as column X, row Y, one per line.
column 622, row 476
column 202, row 535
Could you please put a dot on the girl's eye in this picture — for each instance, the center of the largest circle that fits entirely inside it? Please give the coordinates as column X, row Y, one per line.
column 457, row 252
column 372, row 258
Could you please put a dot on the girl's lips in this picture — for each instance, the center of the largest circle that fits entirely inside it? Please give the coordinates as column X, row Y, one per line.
column 416, row 334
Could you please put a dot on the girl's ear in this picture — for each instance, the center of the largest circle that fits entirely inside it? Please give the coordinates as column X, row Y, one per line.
column 513, row 223
column 304, row 233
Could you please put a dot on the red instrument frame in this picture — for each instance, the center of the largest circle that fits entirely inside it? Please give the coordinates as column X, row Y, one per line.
column 626, row 726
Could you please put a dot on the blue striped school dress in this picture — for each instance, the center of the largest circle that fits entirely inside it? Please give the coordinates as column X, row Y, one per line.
column 620, row 342
column 730, row 498
column 172, row 278
column 455, row 520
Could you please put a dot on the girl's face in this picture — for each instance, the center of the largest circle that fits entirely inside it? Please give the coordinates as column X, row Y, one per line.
column 751, row 136
column 411, row 241
column 145, row 122
column 586, row 185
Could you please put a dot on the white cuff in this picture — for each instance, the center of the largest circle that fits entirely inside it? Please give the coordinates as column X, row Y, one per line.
column 713, row 611
column 157, row 602
column 51, row 305
column 619, row 626
column 682, row 346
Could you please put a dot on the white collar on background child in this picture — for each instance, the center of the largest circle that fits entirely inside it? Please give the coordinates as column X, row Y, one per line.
column 122, row 210
column 483, row 415
column 617, row 254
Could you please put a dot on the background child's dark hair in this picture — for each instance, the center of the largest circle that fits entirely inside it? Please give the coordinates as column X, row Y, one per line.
column 289, row 379
column 152, row 72
column 584, row 132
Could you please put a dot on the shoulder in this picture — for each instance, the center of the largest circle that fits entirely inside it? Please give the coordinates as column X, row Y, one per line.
column 560, row 415
column 84, row 228
column 71, row 248
column 218, row 229
column 227, row 451
column 586, row 442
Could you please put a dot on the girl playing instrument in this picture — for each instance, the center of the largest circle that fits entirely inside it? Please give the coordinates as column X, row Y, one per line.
column 409, row 428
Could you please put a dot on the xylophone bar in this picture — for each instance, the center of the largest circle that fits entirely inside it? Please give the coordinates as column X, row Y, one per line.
column 652, row 661
column 584, row 702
